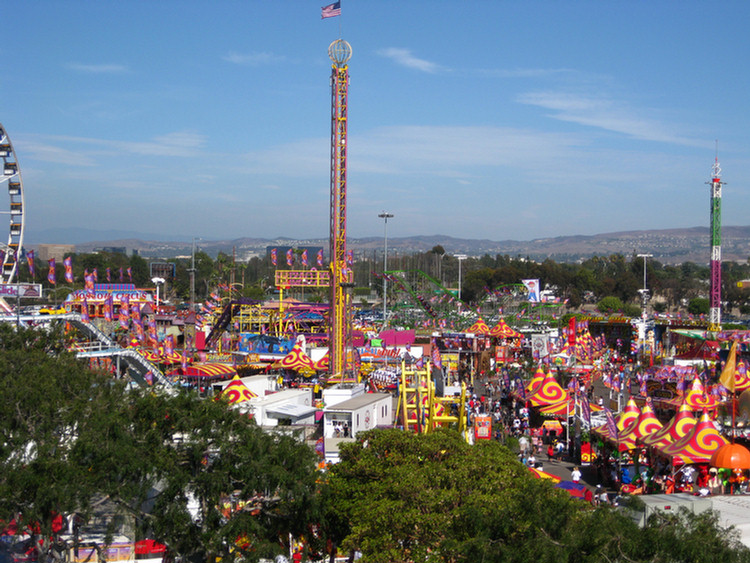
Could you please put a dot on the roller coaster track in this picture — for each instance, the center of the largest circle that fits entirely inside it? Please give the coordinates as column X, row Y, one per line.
column 101, row 346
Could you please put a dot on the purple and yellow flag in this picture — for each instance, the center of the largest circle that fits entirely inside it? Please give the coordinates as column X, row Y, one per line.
column 30, row 262
column 68, row 263
column 51, row 275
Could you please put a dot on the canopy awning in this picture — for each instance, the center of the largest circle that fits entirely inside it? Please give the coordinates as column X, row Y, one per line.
column 206, row 371
column 290, row 410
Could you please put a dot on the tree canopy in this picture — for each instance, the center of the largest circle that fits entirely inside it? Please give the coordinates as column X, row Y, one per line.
column 409, row 497
column 194, row 473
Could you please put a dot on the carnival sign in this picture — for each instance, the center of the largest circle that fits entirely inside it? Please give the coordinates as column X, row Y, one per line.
column 21, row 290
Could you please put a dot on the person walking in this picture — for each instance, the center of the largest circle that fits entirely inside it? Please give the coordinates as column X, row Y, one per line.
column 575, row 475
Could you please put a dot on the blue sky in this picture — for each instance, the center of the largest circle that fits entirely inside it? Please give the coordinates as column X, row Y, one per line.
column 476, row 119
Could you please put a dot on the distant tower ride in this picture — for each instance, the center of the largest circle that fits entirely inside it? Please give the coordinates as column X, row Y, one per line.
column 339, row 52
column 714, row 312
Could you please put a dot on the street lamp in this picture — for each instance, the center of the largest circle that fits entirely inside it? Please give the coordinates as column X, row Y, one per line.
column 644, row 291
column 192, row 276
column 385, row 216
column 156, row 282
column 460, row 258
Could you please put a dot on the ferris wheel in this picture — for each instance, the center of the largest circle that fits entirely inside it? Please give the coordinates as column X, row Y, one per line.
column 11, row 175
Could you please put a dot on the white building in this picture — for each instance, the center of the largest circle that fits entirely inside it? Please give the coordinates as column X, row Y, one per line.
column 292, row 405
column 343, row 421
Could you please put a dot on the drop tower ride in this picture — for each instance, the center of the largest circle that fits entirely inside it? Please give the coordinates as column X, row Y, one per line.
column 714, row 311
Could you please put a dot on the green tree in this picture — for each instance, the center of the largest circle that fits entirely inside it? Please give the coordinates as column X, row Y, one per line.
column 402, row 497
column 610, row 305
column 431, row 497
column 70, row 435
column 698, row 306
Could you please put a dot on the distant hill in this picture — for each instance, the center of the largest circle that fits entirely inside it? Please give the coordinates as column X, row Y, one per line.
column 666, row 245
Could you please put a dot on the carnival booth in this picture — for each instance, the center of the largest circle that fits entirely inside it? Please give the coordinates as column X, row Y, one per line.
column 106, row 299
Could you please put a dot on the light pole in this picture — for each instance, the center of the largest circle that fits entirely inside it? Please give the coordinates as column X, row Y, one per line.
column 192, row 276
column 385, row 216
column 460, row 258
column 644, row 291
column 156, row 282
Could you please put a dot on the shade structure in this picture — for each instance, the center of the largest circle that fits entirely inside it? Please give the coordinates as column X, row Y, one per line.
column 680, row 425
column 323, row 363
column 698, row 398
column 207, row 371
column 643, row 426
column 623, row 420
column 479, row 327
column 539, row 474
column 296, row 360
column 502, row 330
column 731, row 456
column 576, row 490
column 549, row 392
column 236, row 392
column 565, row 408
column 536, row 382
column 696, row 447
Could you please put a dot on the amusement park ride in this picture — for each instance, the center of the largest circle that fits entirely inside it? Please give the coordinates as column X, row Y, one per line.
column 338, row 277
column 714, row 311
column 10, row 252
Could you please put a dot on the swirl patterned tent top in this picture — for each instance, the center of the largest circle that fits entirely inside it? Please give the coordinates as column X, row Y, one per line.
column 502, row 330
column 549, row 393
column 698, row 399
column 323, row 363
column 296, row 360
column 479, row 327
column 206, row 371
column 623, row 420
column 645, row 425
column 565, row 408
column 535, row 382
column 236, row 392
column 680, row 425
column 741, row 377
column 696, row 447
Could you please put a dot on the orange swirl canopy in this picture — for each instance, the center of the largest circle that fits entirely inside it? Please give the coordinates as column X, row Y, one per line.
column 731, row 456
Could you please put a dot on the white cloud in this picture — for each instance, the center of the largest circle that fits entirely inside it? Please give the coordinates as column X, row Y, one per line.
column 405, row 58
column 97, row 68
column 253, row 59
column 605, row 113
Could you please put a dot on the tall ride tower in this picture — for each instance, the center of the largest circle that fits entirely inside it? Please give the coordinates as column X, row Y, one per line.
column 339, row 52
column 714, row 312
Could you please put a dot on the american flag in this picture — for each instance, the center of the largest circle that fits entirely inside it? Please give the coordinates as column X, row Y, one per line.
column 331, row 10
